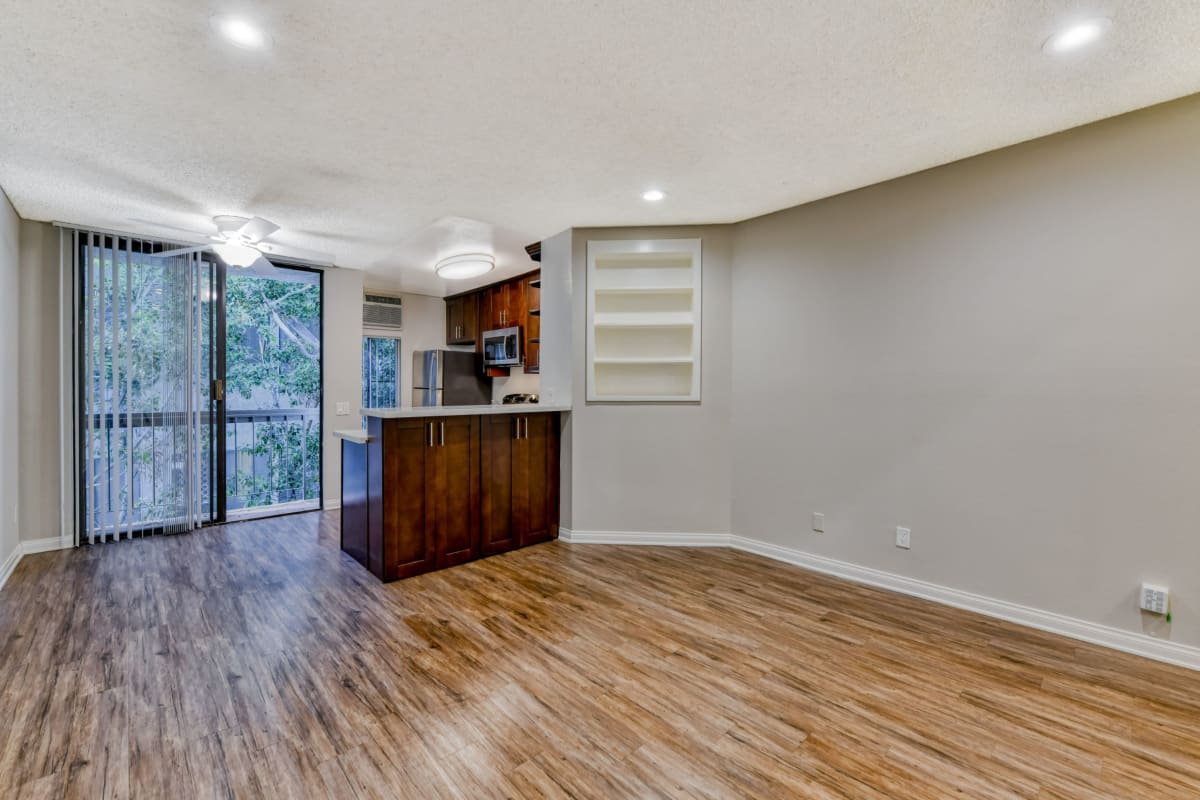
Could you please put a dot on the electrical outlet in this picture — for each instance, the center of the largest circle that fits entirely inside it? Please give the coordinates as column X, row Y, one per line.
column 818, row 524
column 903, row 538
column 1154, row 598
column 343, row 409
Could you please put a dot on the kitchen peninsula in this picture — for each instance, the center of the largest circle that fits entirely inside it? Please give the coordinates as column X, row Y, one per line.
column 429, row 487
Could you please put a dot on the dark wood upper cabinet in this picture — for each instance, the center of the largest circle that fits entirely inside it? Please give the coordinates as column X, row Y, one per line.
column 462, row 319
column 503, row 306
column 532, row 330
column 509, row 304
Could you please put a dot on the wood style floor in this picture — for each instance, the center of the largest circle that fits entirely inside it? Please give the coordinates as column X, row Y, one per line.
column 256, row 660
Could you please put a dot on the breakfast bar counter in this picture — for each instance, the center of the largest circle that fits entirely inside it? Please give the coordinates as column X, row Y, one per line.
column 430, row 487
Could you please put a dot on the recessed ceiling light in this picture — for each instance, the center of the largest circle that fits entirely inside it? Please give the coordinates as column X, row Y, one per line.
column 240, row 32
column 653, row 195
column 1076, row 36
column 466, row 265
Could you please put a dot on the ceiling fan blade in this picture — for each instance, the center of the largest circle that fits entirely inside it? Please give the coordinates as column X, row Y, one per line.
column 257, row 229
column 297, row 253
column 182, row 251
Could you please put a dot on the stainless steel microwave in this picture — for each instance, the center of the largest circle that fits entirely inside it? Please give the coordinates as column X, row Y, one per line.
column 502, row 348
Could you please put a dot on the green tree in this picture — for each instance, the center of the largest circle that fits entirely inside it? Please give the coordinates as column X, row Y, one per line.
column 273, row 352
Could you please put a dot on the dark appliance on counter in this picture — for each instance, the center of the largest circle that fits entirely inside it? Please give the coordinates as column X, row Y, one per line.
column 502, row 348
column 449, row 378
column 510, row 399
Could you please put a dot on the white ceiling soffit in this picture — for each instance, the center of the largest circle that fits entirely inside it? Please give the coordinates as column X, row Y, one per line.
column 366, row 124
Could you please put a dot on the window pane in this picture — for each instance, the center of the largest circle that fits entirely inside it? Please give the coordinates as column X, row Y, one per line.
column 381, row 372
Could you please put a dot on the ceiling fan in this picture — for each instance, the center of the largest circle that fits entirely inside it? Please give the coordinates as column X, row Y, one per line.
column 239, row 242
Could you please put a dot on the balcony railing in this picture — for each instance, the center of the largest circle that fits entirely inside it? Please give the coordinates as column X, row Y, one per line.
column 273, row 460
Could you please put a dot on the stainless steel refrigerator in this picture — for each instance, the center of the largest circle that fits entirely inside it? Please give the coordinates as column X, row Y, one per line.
column 449, row 378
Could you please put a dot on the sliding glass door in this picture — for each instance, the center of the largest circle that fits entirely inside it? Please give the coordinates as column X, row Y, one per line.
column 272, row 367
column 199, row 389
column 145, row 377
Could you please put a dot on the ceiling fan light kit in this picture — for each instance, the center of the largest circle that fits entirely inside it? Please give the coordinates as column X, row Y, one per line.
column 239, row 243
column 236, row 254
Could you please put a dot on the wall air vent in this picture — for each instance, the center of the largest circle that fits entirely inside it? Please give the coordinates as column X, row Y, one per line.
column 381, row 311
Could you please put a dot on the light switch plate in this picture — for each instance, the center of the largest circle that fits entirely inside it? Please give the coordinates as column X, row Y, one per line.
column 1154, row 598
column 903, row 538
column 343, row 409
column 818, row 522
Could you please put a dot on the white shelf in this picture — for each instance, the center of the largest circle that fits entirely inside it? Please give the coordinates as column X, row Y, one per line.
column 646, row 290
column 647, row 360
column 643, row 320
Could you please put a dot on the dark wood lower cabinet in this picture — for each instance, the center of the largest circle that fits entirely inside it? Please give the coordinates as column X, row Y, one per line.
column 534, row 470
column 445, row 490
column 452, row 487
column 496, row 531
column 520, row 480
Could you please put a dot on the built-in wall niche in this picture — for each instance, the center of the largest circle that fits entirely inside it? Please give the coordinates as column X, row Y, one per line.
column 643, row 321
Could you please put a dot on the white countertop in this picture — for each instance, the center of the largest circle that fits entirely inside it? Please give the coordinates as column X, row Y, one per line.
column 357, row 435
column 461, row 411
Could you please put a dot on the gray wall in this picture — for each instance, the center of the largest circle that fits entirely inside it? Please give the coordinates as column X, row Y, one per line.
column 1002, row 354
column 10, row 226
column 655, row 467
column 342, row 357
column 40, row 435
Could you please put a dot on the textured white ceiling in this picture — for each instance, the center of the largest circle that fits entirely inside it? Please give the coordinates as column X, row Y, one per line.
column 369, row 123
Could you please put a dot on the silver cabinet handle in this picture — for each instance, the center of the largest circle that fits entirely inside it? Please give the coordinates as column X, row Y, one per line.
column 526, row 436
column 516, row 427
column 443, row 434
column 430, row 434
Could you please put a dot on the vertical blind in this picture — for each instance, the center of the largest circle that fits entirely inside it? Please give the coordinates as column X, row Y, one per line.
column 144, row 352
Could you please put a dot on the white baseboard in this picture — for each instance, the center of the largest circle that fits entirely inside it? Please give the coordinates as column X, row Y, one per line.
column 1106, row 636
column 45, row 545
column 29, row 547
column 629, row 537
column 10, row 563
column 332, row 505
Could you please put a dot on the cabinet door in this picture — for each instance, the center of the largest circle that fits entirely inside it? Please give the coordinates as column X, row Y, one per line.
column 462, row 319
column 470, row 319
column 496, row 532
column 516, row 304
column 535, row 479
column 452, row 488
column 533, row 323
column 406, row 546
column 495, row 306
column 453, row 319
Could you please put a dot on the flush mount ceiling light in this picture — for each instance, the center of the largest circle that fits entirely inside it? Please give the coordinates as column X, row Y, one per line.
column 467, row 265
column 1077, row 36
column 653, row 195
column 241, row 32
